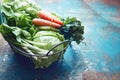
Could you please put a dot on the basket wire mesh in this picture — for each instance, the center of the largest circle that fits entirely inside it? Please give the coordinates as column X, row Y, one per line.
column 21, row 51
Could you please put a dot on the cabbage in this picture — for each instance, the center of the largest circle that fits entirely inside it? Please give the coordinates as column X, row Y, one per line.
column 50, row 38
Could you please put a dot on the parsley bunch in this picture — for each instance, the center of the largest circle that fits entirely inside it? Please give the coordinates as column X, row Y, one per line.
column 72, row 29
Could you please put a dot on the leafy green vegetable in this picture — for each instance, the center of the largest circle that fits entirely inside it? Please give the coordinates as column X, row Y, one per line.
column 49, row 33
column 11, row 33
column 72, row 29
column 26, row 34
column 50, row 40
column 18, row 29
column 21, row 32
column 20, row 13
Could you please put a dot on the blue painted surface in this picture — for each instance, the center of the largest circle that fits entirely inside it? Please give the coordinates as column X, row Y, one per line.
column 101, row 52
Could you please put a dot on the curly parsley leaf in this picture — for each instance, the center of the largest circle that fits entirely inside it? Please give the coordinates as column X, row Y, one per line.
column 72, row 29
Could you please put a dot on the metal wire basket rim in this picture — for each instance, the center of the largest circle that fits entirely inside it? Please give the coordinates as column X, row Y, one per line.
column 23, row 52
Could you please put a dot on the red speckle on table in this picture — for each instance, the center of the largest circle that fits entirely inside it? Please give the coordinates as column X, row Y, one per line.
column 93, row 75
column 117, row 18
column 116, row 77
column 108, row 2
column 89, row 0
column 112, row 3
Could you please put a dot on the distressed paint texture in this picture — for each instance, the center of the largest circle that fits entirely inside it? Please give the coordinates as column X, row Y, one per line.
column 99, row 59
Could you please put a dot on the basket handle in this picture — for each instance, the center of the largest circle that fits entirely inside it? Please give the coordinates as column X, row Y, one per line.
column 57, row 46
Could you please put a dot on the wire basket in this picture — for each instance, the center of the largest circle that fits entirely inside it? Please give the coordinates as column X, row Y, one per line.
column 23, row 52
column 59, row 54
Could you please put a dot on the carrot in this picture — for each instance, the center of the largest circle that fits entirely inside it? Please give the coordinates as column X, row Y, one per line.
column 42, row 22
column 49, row 17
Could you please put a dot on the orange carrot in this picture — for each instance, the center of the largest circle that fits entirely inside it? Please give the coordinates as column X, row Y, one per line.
column 42, row 22
column 49, row 17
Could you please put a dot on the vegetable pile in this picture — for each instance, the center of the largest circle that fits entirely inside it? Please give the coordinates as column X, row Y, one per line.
column 30, row 29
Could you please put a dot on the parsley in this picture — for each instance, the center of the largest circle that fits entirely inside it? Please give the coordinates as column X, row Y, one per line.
column 72, row 29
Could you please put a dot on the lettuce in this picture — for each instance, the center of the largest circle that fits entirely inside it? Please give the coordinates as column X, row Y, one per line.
column 20, row 31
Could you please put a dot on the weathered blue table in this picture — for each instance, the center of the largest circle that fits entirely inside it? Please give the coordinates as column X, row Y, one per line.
column 99, row 59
